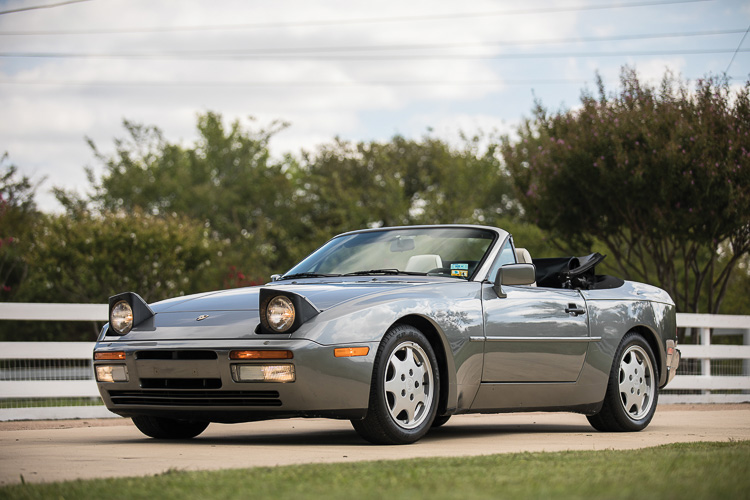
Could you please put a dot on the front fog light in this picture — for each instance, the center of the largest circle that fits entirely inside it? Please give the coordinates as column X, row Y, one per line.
column 111, row 373
column 263, row 373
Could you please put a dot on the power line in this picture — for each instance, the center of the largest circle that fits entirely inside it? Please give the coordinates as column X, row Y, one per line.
column 115, row 83
column 738, row 49
column 37, row 7
column 368, row 20
column 362, row 57
column 366, row 48
column 307, row 83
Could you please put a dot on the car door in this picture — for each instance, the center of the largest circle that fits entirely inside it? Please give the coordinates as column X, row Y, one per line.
column 534, row 334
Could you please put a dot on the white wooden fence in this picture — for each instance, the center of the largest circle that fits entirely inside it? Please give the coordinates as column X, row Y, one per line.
column 49, row 371
column 733, row 383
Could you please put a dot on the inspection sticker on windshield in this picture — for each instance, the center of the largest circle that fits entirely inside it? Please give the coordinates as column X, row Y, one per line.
column 460, row 270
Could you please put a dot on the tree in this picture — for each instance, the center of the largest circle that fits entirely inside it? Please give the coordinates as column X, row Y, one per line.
column 226, row 181
column 661, row 176
column 345, row 186
column 272, row 212
column 17, row 214
column 85, row 258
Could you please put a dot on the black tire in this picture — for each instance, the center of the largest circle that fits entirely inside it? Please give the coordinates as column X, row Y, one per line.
column 168, row 428
column 440, row 421
column 632, row 390
column 404, row 390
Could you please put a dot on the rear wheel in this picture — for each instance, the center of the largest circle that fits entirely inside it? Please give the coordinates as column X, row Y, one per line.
column 404, row 389
column 633, row 388
column 168, row 428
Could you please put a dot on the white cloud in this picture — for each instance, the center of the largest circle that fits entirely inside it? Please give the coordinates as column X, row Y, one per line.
column 44, row 125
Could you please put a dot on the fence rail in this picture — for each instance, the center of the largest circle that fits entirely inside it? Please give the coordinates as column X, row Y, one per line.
column 54, row 380
column 708, row 372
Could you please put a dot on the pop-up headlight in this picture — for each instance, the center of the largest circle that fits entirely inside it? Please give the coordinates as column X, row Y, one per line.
column 126, row 311
column 121, row 317
column 283, row 312
column 280, row 314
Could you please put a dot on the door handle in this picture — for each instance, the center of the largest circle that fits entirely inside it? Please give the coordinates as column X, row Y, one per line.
column 575, row 310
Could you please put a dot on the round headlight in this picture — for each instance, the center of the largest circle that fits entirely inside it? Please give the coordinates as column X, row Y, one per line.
column 121, row 317
column 280, row 313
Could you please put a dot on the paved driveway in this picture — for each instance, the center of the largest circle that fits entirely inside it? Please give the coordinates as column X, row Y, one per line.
column 63, row 450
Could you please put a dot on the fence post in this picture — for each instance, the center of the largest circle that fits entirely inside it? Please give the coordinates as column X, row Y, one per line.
column 705, row 334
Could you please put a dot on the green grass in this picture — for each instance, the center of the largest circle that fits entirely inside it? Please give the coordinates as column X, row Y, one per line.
column 48, row 402
column 679, row 471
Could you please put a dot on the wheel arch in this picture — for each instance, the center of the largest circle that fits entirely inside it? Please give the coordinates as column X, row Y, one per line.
column 656, row 347
column 445, row 362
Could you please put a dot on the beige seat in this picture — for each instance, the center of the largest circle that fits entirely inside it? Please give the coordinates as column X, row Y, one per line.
column 423, row 263
column 524, row 257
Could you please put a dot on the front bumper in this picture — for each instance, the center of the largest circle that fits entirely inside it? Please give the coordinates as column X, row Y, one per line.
column 673, row 359
column 194, row 380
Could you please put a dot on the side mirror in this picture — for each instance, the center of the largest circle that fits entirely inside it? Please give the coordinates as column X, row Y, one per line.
column 513, row 274
column 275, row 277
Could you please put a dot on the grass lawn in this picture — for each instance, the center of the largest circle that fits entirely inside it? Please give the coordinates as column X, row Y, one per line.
column 679, row 471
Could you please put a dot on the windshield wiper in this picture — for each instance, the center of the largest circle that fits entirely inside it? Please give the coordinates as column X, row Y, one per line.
column 383, row 271
column 307, row 275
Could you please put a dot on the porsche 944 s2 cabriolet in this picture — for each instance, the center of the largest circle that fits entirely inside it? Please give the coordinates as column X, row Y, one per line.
column 395, row 329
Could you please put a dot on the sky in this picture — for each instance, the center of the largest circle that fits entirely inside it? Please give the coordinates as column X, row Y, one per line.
column 74, row 70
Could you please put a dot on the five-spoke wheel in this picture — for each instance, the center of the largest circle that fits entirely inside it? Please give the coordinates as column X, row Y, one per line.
column 404, row 390
column 408, row 385
column 637, row 383
column 633, row 388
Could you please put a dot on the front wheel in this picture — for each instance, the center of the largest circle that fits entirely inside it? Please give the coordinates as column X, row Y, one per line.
column 440, row 421
column 168, row 428
column 633, row 388
column 404, row 389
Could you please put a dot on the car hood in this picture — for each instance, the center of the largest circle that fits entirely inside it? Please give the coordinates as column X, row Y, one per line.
column 323, row 295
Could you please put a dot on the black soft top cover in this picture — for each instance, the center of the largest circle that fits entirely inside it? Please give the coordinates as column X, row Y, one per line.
column 573, row 272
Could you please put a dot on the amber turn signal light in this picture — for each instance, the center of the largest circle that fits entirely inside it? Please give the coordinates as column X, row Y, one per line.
column 109, row 355
column 348, row 352
column 261, row 354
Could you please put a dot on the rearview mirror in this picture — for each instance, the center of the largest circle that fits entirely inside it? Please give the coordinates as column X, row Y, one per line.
column 513, row 274
column 402, row 244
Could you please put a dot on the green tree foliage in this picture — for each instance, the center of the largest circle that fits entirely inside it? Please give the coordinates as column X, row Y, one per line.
column 159, row 257
column 345, row 186
column 17, row 214
column 661, row 176
column 272, row 212
column 737, row 298
column 225, row 181
column 85, row 258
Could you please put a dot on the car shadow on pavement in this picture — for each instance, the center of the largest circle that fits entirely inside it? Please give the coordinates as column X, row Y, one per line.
column 461, row 431
column 348, row 437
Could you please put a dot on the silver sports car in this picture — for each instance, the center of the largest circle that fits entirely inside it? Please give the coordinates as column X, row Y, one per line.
column 395, row 329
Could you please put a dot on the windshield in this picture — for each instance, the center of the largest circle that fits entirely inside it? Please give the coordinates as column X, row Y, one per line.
column 454, row 252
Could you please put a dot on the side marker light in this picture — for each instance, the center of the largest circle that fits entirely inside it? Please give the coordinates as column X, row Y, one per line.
column 349, row 352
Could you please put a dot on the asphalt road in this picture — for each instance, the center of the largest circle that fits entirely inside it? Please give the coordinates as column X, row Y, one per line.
column 64, row 450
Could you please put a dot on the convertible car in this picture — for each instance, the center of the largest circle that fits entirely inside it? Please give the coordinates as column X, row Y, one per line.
column 395, row 329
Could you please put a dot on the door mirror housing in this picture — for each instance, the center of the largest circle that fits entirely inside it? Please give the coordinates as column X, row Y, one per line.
column 513, row 274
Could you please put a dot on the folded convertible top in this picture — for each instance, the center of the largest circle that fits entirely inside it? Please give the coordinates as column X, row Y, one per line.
column 573, row 272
